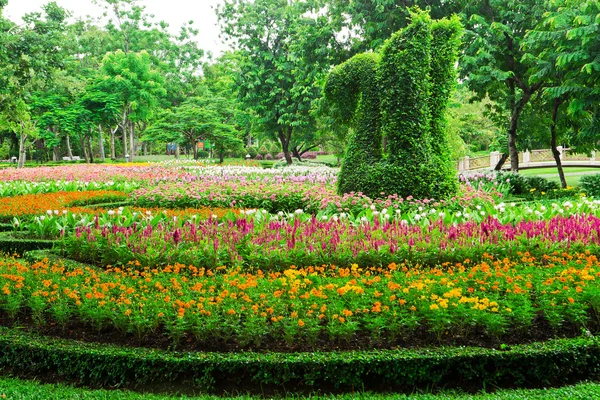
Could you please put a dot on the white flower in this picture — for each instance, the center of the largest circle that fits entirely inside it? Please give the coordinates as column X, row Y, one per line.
column 537, row 213
column 513, row 204
column 49, row 212
column 373, row 208
column 280, row 213
column 478, row 207
column 363, row 219
column 543, row 208
column 442, row 214
column 42, row 217
column 529, row 211
column 174, row 218
column 55, row 212
column 214, row 216
column 398, row 212
column 420, row 208
column 111, row 212
column 299, row 211
column 417, row 217
column 466, row 215
column 64, row 212
column 404, row 222
column 335, row 218
column 458, row 214
column 343, row 215
column 482, row 212
column 375, row 213
column 148, row 212
column 324, row 217
column 386, row 216
column 384, row 211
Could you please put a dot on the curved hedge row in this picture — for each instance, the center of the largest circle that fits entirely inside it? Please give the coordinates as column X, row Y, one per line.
column 550, row 363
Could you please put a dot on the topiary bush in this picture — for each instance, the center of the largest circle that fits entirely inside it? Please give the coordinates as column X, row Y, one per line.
column 252, row 151
column 401, row 96
column 353, row 87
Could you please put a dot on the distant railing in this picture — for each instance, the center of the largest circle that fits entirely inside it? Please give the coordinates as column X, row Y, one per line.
column 530, row 159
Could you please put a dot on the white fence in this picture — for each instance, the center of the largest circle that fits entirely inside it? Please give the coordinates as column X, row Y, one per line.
column 530, row 159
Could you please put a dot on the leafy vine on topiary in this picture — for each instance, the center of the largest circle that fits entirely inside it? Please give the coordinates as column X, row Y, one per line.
column 401, row 96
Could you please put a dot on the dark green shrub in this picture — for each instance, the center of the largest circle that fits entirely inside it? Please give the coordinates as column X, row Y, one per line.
column 522, row 185
column 203, row 154
column 555, row 362
column 590, row 184
column 10, row 244
column 354, row 88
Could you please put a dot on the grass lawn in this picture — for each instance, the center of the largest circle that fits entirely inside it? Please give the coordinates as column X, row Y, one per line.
column 572, row 174
column 11, row 388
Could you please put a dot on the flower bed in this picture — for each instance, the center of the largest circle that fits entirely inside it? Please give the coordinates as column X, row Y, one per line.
column 276, row 244
column 497, row 300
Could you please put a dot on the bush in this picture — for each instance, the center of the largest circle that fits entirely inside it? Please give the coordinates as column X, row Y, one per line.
column 522, row 185
column 203, row 154
column 268, row 156
column 263, row 151
column 536, row 365
column 252, row 151
column 590, row 184
column 274, row 149
column 258, row 157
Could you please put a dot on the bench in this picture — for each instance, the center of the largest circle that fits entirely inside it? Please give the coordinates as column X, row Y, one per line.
column 74, row 158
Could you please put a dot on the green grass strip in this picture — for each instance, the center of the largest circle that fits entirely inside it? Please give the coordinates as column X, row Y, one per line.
column 555, row 362
column 12, row 388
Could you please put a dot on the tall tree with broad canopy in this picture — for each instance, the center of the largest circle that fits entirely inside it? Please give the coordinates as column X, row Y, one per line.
column 29, row 55
column 198, row 118
column 493, row 62
column 286, row 49
column 137, row 86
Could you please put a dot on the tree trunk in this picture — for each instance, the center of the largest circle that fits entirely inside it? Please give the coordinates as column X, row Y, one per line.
column 112, row 143
column 69, row 151
column 55, row 149
column 124, row 129
column 131, row 142
column 284, row 138
column 555, row 152
column 22, row 150
column 145, row 146
column 89, row 145
column 501, row 162
column 101, row 143
column 86, row 155
column 177, row 151
column 195, row 150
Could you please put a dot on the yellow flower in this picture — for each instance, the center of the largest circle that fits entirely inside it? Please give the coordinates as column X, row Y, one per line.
column 433, row 307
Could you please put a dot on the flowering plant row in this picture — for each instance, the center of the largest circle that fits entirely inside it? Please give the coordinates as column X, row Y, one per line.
column 36, row 204
column 386, row 304
column 276, row 244
column 19, row 188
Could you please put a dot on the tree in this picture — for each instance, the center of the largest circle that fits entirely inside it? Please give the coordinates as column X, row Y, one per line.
column 137, row 87
column 493, row 63
column 286, row 50
column 371, row 22
column 198, row 118
column 30, row 53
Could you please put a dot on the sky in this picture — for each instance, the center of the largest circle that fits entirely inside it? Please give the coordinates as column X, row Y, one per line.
column 174, row 12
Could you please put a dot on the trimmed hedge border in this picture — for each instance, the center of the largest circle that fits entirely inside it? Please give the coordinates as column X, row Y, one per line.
column 13, row 245
column 554, row 362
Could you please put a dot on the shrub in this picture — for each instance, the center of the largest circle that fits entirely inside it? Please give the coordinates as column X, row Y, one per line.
column 263, row 151
column 258, row 157
column 590, row 184
column 274, row 149
column 203, row 154
column 268, row 156
column 252, row 151
column 353, row 87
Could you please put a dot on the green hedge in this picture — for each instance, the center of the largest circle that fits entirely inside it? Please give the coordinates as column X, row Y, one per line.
column 14, row 245
column 553, row 362
column 590, row 184
column 6, row 227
